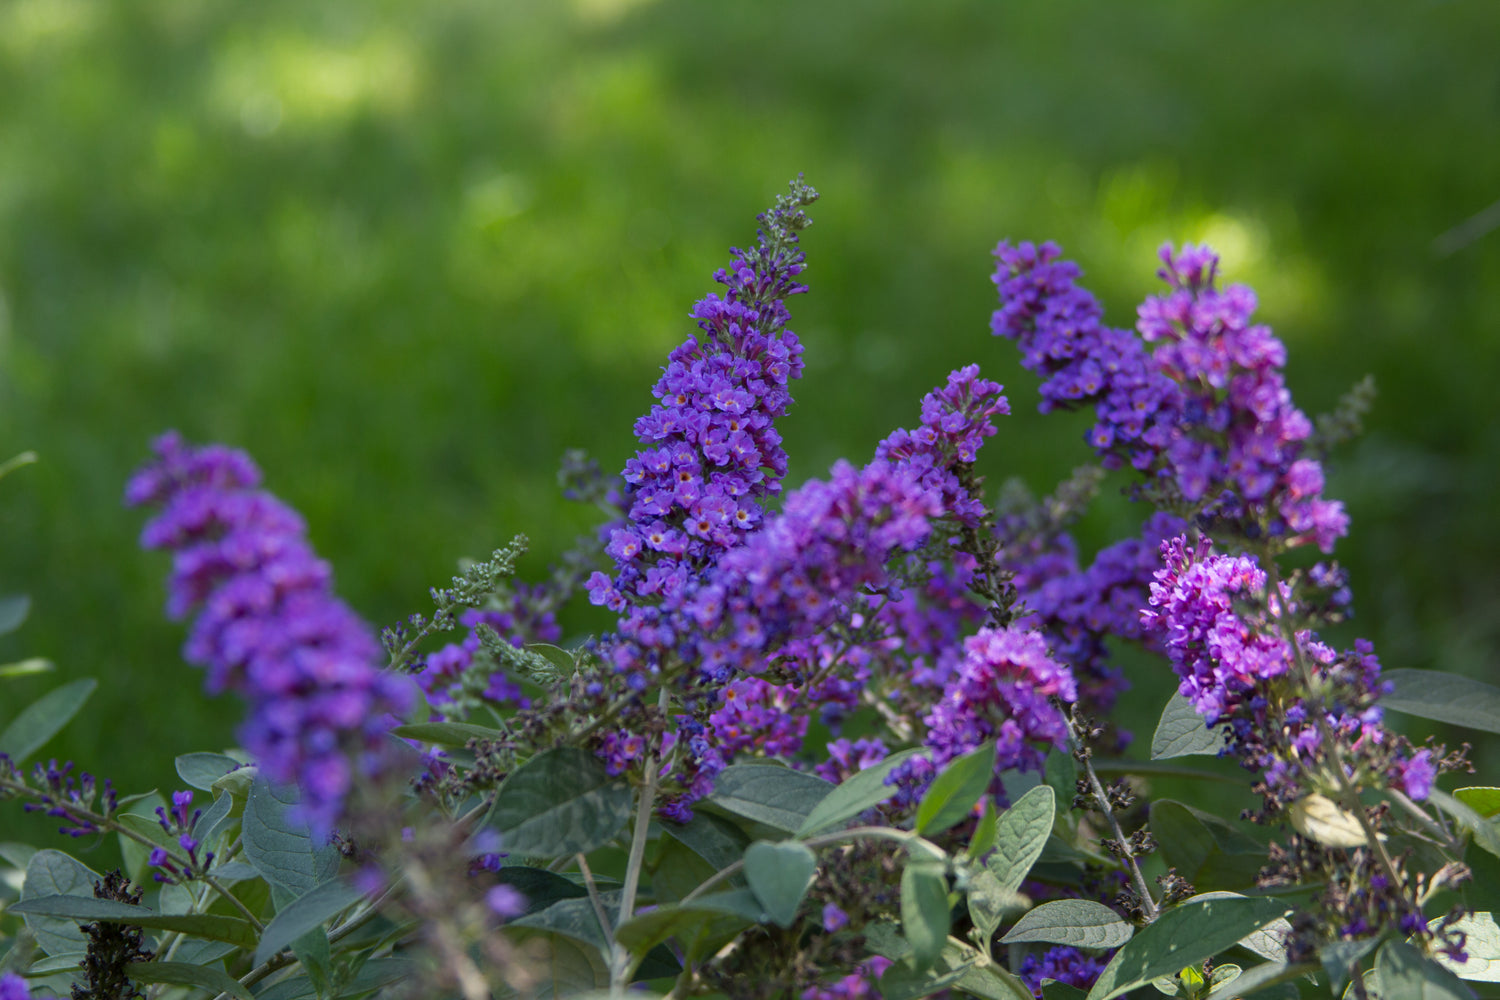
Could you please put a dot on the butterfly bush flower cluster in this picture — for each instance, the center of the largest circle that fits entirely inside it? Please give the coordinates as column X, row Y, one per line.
column 770, row 601
column 883, row 609
column 268, row 625
column 1063, row 964
column 710, row 451
column 53, row 791
column 1221, row 631
column 956, row 418
column 1207, row 418
column 13, row 987
column 1003, row 692
column 444, row 675
column 181, row 825
column 1207, row 413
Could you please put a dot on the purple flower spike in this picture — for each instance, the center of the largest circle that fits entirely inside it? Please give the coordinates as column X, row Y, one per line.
column 710, row 453
column 269, row 626
column 955, row 422
column 1003, row 692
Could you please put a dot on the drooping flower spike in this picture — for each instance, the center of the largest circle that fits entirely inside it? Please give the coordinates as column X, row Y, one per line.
column 269, row 626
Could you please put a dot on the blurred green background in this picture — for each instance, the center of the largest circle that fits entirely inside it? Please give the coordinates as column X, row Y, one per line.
column 408, row 253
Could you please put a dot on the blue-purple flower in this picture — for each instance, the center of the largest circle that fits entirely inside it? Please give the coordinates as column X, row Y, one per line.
column 13, row 987
column 710, row 453
column 269, row 626
column 1063, row 964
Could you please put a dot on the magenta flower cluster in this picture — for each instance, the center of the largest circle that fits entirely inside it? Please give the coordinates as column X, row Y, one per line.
column 1005, row 692
column 1234, row 664
column 1219, row 657
column 269, row 626
column 1208, row 411
column 803, row 572
column 759, row 718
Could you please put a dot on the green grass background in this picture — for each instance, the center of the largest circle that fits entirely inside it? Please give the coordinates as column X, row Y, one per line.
column 408, row 253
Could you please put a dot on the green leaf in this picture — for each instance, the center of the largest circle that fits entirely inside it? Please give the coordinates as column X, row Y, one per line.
column 924, row 911
column 568, row 969
column 985, row 832
column 951, row 797
column 1183, row 733
column 573, row 918
column 87, row 908
column 1020, row 836
column 959, row 967
column 1444, row 697
column 40, row 721
column 216, row 819
column 13, row 611
column 1060, row 773
column 144, row 826
column 990, row 903
column 1405, row 973
column 1486, row 832
column 1054, row 990
column 201, row 770
column 1081, row 923
column 540, row 887
column 559, row 803
column 211, row 978
column 1206, row 850
column 310, row 910
column 1481, row 945
column 560, row 658
column 237, row 783
column 1338, row 957
column 779, row 875
column 1484, row 801
column 678, row 872
column 372, row 975
column 715, row 840
column 16, row 855
column 53, row 873
column 738, row 908
column 856, row 794
column 1482, row 891
column 1184, row 935
column 451, row 734
column 67, row 962
column 27, row 667
column 1262, row 977
column 279, row 847
column 777, row 797
column 1269, row 942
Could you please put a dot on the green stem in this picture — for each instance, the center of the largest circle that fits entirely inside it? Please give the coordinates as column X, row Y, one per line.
column 1348, row 794
column 622, row 964
column 106, row 822
column 1101, row 797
